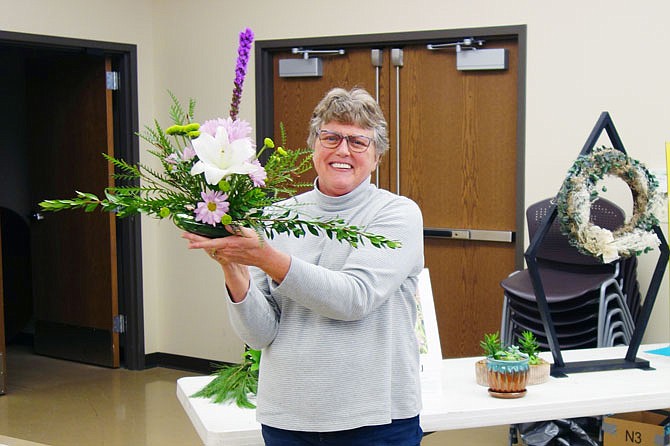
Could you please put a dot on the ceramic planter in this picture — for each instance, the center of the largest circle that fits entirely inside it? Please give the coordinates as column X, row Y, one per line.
column 507, row 379
column 538, row 373
column 480, row 373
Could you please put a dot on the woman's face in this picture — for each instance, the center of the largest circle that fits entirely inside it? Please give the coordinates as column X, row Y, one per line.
column 340, row 169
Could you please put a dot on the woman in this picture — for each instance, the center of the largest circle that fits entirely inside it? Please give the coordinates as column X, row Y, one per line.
column 340, row 361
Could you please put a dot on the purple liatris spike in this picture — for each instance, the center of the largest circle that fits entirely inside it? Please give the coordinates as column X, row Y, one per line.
column 243, row 51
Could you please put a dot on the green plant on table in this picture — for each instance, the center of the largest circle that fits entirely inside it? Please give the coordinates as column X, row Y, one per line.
column 510, row 353
column 491, row 344
column 528, row 344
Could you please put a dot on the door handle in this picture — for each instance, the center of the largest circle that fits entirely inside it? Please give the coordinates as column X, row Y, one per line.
column 483, row 235
column 397, row 61
column 376, row 56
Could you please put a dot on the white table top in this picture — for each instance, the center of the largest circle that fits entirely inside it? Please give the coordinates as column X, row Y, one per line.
column 455, row 401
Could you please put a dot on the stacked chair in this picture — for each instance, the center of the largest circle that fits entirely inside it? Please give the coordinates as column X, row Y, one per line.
column 631, row 287
column 590, row 302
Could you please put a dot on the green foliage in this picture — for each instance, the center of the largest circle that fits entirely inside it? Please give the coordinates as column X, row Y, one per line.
column 234, row 382
column 510, row 353
column 491, row 344
column 493, row 348
column 528, row 344
column 177, row 111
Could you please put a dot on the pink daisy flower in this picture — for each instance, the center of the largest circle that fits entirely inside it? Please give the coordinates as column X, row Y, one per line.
column 259, row 175
column 212, row 208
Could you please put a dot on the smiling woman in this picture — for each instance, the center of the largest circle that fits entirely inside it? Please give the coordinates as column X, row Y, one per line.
column 326, row 316
column 340, row 168
column 347, row 143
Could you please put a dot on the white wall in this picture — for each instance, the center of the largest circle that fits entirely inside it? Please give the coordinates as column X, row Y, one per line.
column 583, row 58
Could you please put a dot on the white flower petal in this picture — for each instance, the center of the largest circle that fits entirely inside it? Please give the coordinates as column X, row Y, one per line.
column 219, row 159
column 198, row 168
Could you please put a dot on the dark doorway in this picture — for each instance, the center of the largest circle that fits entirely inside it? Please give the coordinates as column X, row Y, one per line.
column 27, row 157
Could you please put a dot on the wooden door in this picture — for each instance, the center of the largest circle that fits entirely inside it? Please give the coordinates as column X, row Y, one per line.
column 454, row 151
column 458, row 162
column 73, row 253
column 296, row 97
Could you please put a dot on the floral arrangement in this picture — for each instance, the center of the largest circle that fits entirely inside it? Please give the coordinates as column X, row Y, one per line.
column 579, row 190
column 212, row 177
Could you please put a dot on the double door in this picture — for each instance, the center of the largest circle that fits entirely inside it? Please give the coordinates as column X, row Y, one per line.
column 454, row 150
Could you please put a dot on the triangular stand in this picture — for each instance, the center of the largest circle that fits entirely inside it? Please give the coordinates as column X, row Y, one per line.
column 559, row 367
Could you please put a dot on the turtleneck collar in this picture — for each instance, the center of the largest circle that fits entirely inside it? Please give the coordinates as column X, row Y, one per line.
column 346, row 201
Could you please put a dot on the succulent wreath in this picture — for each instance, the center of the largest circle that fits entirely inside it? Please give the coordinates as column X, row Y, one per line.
column 580, row 189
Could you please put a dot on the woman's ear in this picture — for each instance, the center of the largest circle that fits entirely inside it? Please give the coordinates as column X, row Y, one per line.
column 376, row 163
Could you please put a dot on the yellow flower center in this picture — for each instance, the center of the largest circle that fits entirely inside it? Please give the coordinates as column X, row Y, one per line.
column 211, row 206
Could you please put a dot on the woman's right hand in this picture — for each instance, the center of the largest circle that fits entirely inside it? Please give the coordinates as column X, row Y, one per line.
column 236, row 276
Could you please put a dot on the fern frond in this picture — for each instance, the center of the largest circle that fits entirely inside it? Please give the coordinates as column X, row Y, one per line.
column 282, row 134
column 176, row 110
column 121, row 164
column 191, row 109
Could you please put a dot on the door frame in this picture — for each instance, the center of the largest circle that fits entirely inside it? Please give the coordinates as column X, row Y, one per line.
column 126, row 125
column 264, row 50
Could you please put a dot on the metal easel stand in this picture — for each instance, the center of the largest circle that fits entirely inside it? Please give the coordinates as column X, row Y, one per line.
column 560, row 368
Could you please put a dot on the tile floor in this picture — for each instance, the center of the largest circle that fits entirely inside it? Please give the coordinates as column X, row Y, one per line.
column 62, row 403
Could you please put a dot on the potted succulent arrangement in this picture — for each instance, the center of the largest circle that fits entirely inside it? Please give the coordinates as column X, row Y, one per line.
column 507, row 373
column 504, row 370
column 539, row 369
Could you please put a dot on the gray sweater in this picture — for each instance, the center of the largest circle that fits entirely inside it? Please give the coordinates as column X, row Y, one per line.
column 338, row 338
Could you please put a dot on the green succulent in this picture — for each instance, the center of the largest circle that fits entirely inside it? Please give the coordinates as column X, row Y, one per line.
column 491, row 344
column 510, row 353
column 528, row 345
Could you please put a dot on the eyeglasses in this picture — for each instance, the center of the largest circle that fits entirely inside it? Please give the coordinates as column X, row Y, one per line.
column 332, row 140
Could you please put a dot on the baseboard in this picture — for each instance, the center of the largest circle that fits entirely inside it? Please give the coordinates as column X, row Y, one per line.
column 179, row 362
column 158, row 359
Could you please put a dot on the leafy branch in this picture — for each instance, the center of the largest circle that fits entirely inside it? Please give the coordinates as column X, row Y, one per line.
column 234, row 382
column 334, row 228
column 128, row 201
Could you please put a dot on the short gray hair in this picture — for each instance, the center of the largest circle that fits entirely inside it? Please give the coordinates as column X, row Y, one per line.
column 356, row 107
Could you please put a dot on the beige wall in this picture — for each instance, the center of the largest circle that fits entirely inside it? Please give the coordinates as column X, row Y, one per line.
column 583, row 58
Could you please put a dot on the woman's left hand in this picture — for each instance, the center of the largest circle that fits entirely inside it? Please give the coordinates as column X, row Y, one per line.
column 244, row 247
column 241, row 247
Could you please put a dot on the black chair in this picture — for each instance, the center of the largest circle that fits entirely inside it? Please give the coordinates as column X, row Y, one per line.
column 585, row 297
column 631, row 286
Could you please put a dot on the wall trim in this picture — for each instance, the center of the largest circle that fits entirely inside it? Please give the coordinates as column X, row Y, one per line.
column 180, row 362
